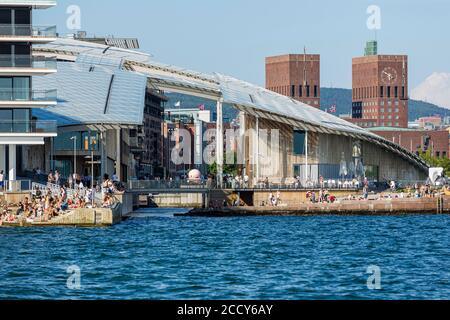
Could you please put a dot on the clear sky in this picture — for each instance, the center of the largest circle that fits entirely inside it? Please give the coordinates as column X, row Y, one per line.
column 234, row 36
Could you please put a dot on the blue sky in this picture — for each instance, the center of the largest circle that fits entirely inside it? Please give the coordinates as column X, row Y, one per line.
column 234, row 36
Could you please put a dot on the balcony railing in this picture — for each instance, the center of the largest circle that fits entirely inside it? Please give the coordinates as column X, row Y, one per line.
column 40, row 3
column 32, row 126
column 25, row 30
column 27, row 61
column 27, row 95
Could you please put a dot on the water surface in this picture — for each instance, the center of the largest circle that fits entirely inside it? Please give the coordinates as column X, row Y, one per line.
column 157, row 256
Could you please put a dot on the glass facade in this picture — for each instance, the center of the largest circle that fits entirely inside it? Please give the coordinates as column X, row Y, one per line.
column 15, row 120
column 15, row 88
column 332, row 172
column 299, row 142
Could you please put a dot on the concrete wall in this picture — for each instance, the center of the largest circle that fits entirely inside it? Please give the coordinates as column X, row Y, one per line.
column 391, row 166
column 180, row 200
column 87, row 218
column 126, row 201
column 293, row 197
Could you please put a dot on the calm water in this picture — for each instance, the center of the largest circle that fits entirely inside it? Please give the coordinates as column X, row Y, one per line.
column 157, row 256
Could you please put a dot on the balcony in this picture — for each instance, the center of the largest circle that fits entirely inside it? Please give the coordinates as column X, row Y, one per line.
column 27, row 33
column 27, row 65
column 28, row 127
column 37, row 4
column 27, row 98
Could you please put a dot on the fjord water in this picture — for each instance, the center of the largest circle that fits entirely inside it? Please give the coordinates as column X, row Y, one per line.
column 157, row 256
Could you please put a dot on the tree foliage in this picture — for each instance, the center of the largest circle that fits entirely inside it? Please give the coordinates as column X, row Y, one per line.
column 231, row 169
column 437, row 162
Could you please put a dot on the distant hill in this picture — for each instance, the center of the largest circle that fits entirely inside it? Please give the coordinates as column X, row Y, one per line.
column 341, row 97
column 343, row 100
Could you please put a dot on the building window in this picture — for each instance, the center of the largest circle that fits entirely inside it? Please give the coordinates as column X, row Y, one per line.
column 382, row 92
column 299, row 142
column 396, row 91
column 307, row 91
column 296, row 170
column 403, row 92
column 14, row 88
column 438, row 154
column 300, row 91
column 316, row 91
column 388, row 91
column 292, row 91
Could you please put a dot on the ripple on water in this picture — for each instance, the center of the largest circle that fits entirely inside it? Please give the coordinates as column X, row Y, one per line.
column 157, row 256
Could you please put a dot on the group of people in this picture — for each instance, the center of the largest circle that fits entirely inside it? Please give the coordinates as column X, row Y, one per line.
column 274, row 200
column 54, row 201
column 323, row 196
column 237, row 182
column 42, row 207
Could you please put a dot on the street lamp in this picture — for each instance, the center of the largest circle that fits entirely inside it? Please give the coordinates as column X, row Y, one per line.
column 74, row 138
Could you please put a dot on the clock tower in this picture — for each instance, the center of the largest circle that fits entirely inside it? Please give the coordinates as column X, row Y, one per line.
column 380, row 90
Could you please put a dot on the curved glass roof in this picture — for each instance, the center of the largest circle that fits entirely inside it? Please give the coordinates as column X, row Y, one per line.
column 85, row 92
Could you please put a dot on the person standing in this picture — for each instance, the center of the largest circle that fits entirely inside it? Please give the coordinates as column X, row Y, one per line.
column 2, row 180
column 71, row 182
column 50, row 177
column 366, row 192
column 57, row 177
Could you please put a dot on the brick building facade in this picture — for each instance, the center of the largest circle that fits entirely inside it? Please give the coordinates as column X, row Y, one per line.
column 380, row 91
column 416, row 141
column 296, row 76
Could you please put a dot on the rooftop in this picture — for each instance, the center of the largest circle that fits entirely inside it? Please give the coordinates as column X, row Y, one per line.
column 132, row 69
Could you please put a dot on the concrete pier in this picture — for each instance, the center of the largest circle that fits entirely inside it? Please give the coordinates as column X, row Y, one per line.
column 100, row 217
column 364, row 208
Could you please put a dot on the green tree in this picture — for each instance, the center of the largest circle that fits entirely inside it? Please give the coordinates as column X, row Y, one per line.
column 436, row 162
column 231, row 169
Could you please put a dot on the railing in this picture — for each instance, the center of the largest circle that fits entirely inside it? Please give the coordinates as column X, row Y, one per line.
column 16, row 186
column 27, row 95
column 33, row 2
column 25, row 30
column 165, row 184
column 27, row 61
column 35, row 126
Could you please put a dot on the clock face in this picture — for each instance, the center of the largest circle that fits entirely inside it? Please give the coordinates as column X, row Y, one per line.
column 389, row 75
